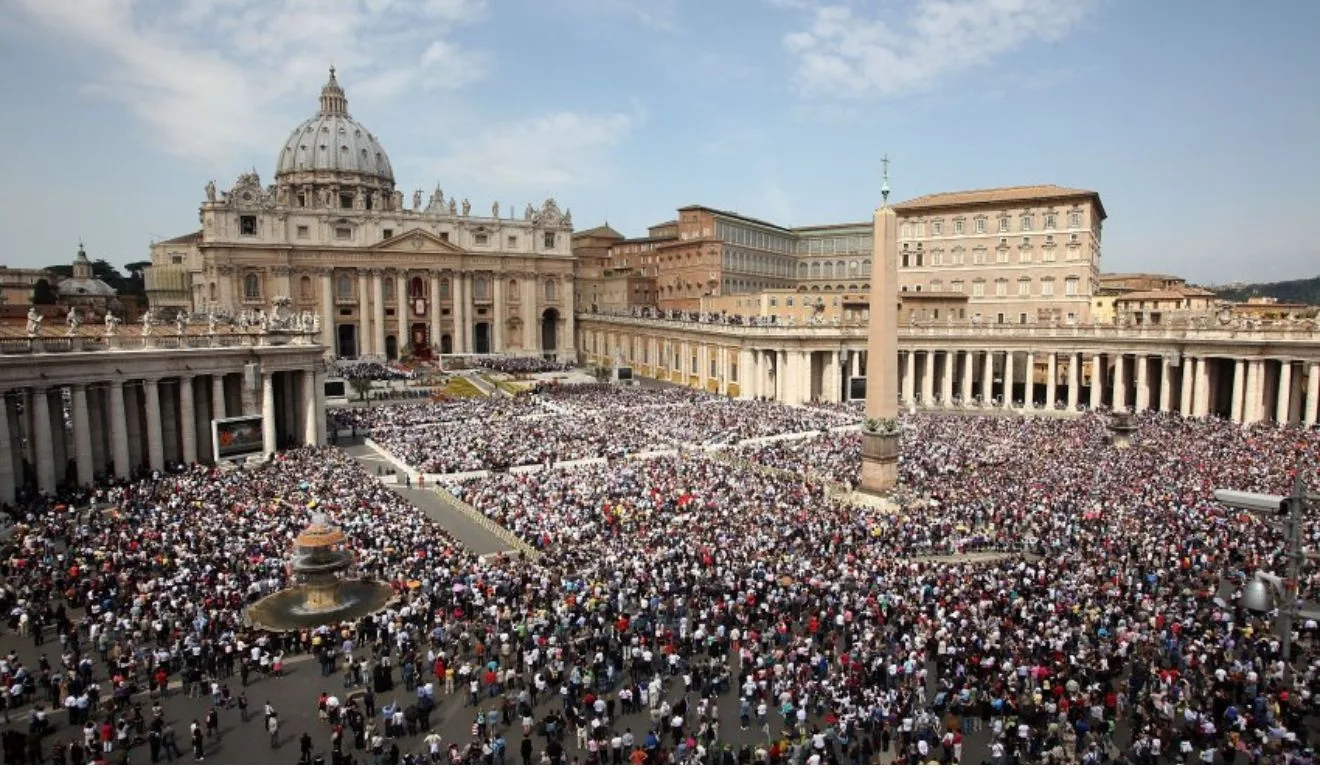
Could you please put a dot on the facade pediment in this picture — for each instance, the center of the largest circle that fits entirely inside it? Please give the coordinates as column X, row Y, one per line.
column 416, row 240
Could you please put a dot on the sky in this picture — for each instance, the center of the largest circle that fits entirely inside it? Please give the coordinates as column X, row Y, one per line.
column 1195, row 121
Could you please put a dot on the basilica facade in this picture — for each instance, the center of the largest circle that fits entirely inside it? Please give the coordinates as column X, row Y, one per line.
column 335, row 237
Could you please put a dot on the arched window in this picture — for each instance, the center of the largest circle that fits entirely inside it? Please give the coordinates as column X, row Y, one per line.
column 344, row 286
column 866, row 267
column 251, row 286
column 550, row 290
column 838, row 270
column 305, row 287
column 416, row 288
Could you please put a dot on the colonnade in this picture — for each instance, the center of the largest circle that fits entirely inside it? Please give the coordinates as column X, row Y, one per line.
column 70, row 418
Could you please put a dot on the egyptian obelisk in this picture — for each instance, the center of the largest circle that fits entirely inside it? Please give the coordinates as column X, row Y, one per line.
column 880, row 447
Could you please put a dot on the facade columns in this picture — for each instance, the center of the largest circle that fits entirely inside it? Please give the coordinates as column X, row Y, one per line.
column 1251, row 401
column 1281, row 411
column 402, row 339
column 1097, row 381
column 1143, row 382
column 1201, row 393
column 988, row 379
column 41, row 438
column 1239, row 383
column 497, row 322
column 568, row 339
column 434, row 305
column 82, row 436
column 928, row 378
column 365, row 335
column 1188, row 371
column 1120, row 383
column 968, row 362
column 461, row 322
column 946, row 381
column 217, row 396
column 746, row 373
column 1029, row 382
column 119, row 431
column 187, row 420
column 910, row 378
column 1008, row 379
column 1074, row 379
column 1312, row 395
column 378, row 311
column 328, row 312
column 1051, row 381
column 155, row 441
column 531, row 322
column 269, row 439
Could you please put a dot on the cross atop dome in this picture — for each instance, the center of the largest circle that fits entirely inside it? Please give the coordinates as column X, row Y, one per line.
column 333, row 101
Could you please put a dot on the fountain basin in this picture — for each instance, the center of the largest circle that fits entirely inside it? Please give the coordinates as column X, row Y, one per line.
column 306, row 606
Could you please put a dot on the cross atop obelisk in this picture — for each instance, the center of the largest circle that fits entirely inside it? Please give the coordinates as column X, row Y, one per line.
column 884, row 188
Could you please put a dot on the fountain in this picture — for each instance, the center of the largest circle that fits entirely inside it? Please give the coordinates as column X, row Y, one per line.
column 319, row 595
column 1122, row 426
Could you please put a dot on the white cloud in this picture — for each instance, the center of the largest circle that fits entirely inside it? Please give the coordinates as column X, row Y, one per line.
column 660, row 15
column 214, row 80
column 844, row 53
column 541, row 155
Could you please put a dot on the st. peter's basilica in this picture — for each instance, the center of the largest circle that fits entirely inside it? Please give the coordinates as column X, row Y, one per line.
column 334, row 237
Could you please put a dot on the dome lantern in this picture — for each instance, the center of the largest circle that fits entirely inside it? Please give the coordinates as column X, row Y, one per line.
column 333, row 101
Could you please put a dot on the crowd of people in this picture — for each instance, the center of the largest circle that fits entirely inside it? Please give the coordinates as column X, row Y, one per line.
column 371, row 370
column 520, row 365
column 574, row 422
column 683, row 610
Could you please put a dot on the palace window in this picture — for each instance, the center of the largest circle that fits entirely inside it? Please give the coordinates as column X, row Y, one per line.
column 550, row 290
column 247, row 225
column 251, row 286
column 304, row 232
column 444, row 288
column 479, row 291
column 1024, row 286
column 1075, row 220
column 978, row 288
column 1026, row 223
column 937, row 228
column 387, row 233
column 1050, row 221
column 1003, row 223
column 481, row 238
column 548, row 240
column 513, row 241
column 387, row 288
column 957, row 226
column 343, row 233
column 1070, row 286
column 980, row 226
column 1047, row 286
column 344, row 286
column 416, row 288
column 1001, row 288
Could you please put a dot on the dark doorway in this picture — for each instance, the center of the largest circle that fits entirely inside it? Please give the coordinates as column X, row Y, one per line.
column 481, row 339
column 391, row 348
column 347, row 338
column 418, row 343
column 550, row 330
column 446, row 344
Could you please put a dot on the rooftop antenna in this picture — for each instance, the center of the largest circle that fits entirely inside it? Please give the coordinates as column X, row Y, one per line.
column 884, row 188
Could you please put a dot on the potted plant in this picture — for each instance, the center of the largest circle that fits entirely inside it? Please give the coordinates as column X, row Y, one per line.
column 882, row 427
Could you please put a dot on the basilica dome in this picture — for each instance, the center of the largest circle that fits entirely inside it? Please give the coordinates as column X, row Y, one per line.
column 332, row 141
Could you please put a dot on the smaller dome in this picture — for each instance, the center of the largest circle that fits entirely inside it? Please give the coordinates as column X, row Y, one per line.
column 84, row 286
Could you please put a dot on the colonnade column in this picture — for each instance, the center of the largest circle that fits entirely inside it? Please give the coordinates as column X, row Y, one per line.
column 1074, row 379
column 1143, row 382
column 82, row 436
column 187, row 420
column 1051, row 381
column 1097, row 381
column 928, row 378
column 269, row 440
column 311, row 430
column 988, row 379
column 1312, row 395
column 1166, row 383
column 1008, row 379
column 909, row 377
column 946, row 381
column 41, row 437
column 119, row 431
column 746, row 373
column 1029, row 382
column 328, row 312
column 1120, row 384
column 1201, row 394
column 968, row 362
column 1281, row 411
column 1239, row 383
column 1251, row 399
column 8, row 482
column 1188, row 371
column 402, row 339
column 155, row 442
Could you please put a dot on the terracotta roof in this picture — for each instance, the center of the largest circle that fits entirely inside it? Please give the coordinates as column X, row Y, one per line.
column 604, row 230
column 1032, row 193
column 1162, row 295
column 192, row 237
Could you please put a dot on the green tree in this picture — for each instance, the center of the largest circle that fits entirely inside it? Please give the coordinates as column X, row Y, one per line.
column 361, row 386
column 43, row 293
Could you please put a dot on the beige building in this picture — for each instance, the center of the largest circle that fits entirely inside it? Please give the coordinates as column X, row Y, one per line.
column 18, row 283
column 334, row 235
column 1020, row 254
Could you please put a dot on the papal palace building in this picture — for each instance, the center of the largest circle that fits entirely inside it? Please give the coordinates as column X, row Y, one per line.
column 335, row 236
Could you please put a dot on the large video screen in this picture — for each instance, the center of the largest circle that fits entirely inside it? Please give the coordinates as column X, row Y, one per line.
column 624, row 374
column 335, row 388
column 237, row 436
column 857, row 388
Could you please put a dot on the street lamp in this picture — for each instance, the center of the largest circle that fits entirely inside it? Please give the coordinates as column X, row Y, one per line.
column 1260, row 593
